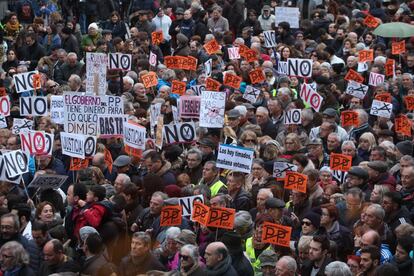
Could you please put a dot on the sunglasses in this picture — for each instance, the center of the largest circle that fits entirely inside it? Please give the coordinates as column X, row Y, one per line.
column 250, row 140
column 307, row 223
column 184, row 257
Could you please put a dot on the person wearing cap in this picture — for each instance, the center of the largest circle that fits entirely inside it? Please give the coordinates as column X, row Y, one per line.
column 268, row 260
column 123, row 165
column 241, row 264
column 329, row 115
column 207, row 147
column 379, row 175
column 233, row 120
column 266, row 18
column 402, row 259
column 276, row 208
column 357, row 177
column 317, row 154
column 395, row 213
column 144, row 24
column 90, row 39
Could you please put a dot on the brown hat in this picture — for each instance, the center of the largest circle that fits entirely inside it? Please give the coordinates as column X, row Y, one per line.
column 379, row 166
column 186, row 237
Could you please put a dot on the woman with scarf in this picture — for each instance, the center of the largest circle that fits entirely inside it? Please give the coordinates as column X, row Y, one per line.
column 12, row 28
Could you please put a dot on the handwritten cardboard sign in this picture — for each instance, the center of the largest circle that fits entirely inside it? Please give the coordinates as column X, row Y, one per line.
column 150, row 79
column 403, row 125
column 296, row 181
column 349, row 118
column 221, row 218
column 257, row 76
column 398, row 47
column 276, row 234
column 178, row 87
column 211, row 47
column 212, row 85
column 232, row 80
column 200, row 213
column 352, row 75
column 371, row 21
column 409, row 102
column 366, row 55
column 384, row 97
column 171, row 215
column 340, row 162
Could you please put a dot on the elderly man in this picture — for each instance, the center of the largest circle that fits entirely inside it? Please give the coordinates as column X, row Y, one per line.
column 121, row 181
column 194, row 166
column 286, row 266
column 333, row 143
column 262, row 196
column 70, row 67
column 407, row 190
column 75, row 83
column 15, row 260
column 99, row 161
column 55, row 260
column 374, row 219
column 217, row 23
column 329, row 115
column 211, row 179
column 218, row 260
column 147, row 217
column 265, row 123
column 317, row 154
column 372, row 237
column 348, row 148
column 362, row 127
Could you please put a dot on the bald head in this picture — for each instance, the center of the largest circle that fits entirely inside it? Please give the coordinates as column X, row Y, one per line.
column 371, row 237
column 216, row 253
column 99, row 161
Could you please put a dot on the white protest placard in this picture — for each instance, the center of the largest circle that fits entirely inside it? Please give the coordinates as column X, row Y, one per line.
column 180, row 133
column 5, row 106
column 235, row 158
column 357, row 89
column 21, row 125
column 119, row 61
column 37, row 142
column 73, row 145
column 48, row 181
column 293, row 117
column 290, row 15
column 208, row 66
column 190, row 106
column 212, row 109
column 282, row 68
column 57, row 109
column 311, row 97
column 251, row 93
column 270, row 39
column 280, row 169
column 111, row 125
column 299, row 67
column 153, row 59
column 15, row 162
column 187, row 203
column 33, row 106
column 362, row 67
column 375, row 79
column 198, row 89
column 339, row 175
column 3, row 174
column 96, row 72
column 155, row 111
column 23, row 82
column 134, row 135
column 233, row 53
column 3, row 121
column 381, row 109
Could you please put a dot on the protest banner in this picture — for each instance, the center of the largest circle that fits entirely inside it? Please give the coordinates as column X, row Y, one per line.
column 111, row 125
column 276, row 234
column 409, row 102
column 159, row 131
column 134, row 135
column 311, row 97
column 211, row 47
column 198, row 89
column 212, row 106
column 178, row 87
column 389, row 67
column 299, row 67
column 180, row 133
column 251, row 93
column 189, row 107
column 3, row 122
column 3, row 174
column 340, row 162
column 280, row 169
column 243, row 49
column 77, row 164
column 15, row 163
column 282, row 68
column 5, row 106
column 190, row 64
column 171, row 216
column 370, row 21
column 157, row 37
column 356, row 89
column 152, row 59
column 57, row 109
column 21, row 125
column 235, row 158
column 349, row 118
column 96, row 64
column 403, row 125
column 212, row 85
column 187, row 203
column 208, row 66
column 290, row 15
column 220, row 217
column 150, row 79
column 362, row 67
column 376, row 79
column 257, row 76
column 33, row 106
column 293, row 117
column 37, row 142
column 270, row 39
column 296, row 181
column 398, row 47
column 352, row 75
column 232, row 80
column 383, row 97
column 23, row 82
column 73, row 145
column 48, row 181
column 381, row 109
column 233, row 53
column 200, row 213
column 366, row 55
column 119, row 61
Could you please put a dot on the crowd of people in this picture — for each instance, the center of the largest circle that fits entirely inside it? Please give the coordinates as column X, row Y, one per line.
column 105, row 218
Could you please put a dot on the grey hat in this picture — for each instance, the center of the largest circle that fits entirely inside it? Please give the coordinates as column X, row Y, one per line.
column 207, row 142
column 106, row 31
column 274, row 203
column 379, row 166
column 316, row 141
column 186, row 237
column 179, row 11
column 268, row 258
column 122, row 161
column 85, row 231
column 233, row 114
column 405, row 147
column 248, row 106
column 358, row 172
column 330, row 112
column 266, row 8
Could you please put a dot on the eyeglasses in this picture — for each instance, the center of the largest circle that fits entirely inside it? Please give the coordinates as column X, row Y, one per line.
column 307, row 223
column 4, row 256
column 250, row 141
column 184, row 257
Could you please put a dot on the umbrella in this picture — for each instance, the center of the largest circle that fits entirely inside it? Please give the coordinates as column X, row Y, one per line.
column 395, row 29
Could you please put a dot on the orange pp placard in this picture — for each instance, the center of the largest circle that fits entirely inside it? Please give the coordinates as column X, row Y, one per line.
column 200, row 213
column 384, row 97
column 3, row 92
column 243, row 49
column 251, row 55
column 340, row 162
column 221, row 217
column 403, row 125
column 296, row 181
column 178, row 87
column 108, row 159
column 276, row 234
column 212, row 85
column 389, row 67
column 191, row 63
column 257, row 76
column 169, row 62
column 171, row 215
column 398, row 47
column 232, row 80
column 157, row 37
column 349, row 118
column 409, row 102
column 77, row 164
column 133, row 151
column 354, row 75
column 150, row 79
column 211, row 47
column 366, row 55
column 370, row 21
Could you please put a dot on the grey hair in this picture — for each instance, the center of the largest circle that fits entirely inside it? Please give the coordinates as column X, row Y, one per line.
column 21, row 257
column 258, row 161
column 62, row 51
column 172, row 233
column 164, row 196
column 125, row 178
column 408, row 158
column 362, row 116
column 194, row 255
column 290, row 263
column 336, row 135
column 72, row 54
column 263, row 110
column 307, row 113
column 197, row 152
column 304, row 242
column 266, row 191
column 16, row 222
column 378, row 210
column 409, row 75
column 242, row 220
column 76, row 78
column 337, row 268
column 209, row 37
column 348, row 143
column 128, row 79
column 217, row 8
column 213, row 163
column 168, row 74
column 145, row 237
column 239, row 40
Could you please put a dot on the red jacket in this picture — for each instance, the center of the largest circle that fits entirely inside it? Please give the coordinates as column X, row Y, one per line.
column 91, row 216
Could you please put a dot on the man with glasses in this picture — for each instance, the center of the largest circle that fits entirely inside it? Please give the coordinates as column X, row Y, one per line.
column 350, row 209
column 14, row 260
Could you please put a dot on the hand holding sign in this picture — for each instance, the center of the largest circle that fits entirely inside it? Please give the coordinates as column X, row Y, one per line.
column 200, row 213
column 384, row 97
column 212, row 85
column 389, row 67
column 340, row 162
column 178, row 87
column 409, row 102
column 370, row 21
column 403, row 125
column 276, row 234
column 352, row 75
column 366, row 55
column 171, row 215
